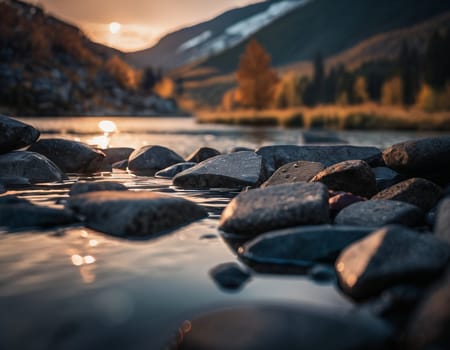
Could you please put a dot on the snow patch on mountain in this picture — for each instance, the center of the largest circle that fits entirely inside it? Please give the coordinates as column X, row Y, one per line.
column 195, row 41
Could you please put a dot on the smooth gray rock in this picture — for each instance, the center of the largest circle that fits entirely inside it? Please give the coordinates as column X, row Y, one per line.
column 170, row 172
column 234, row 170
column 262, row 210
column 271, row 326
column 150, row 159
column 21, row 215
column 385, row 177
column 276, row 156
column 98, row 186
column 117, row 154
column 33, row 166
column 122, row 165
column 71, row 156
column 341, row 200
column 302, row 245
column 201, row 154
column 377, row 213
column 442, row 226
column 419, row 192
column 294, row 172
column 354, row 176
column 241, row 149
column 126, row 213
column 391, row 256
column 229, row 276
column 15, row 134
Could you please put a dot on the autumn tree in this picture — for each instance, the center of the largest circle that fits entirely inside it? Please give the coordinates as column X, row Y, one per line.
column 256, row 79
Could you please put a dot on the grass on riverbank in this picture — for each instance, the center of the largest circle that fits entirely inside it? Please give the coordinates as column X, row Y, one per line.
column 360, row 117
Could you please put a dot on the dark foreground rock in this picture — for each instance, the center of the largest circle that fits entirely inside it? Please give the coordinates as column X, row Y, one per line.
column 386, row 177
column 98, row 186
column 229, row 276
column 276, row 156
column 341, row 200
column 294, row 172
column 170, row 172
column 234, row 170
column 35, row 167
column 419, row 192
column 299, row 246
column 2, row 188
column 124, row 213
column 72, row 156
column 390, row 256
column 122, row 165
column 354, row 176
column 201, row 154
column 276, row 207
column 377, row 213
column 14, row 181
column 117, row 154
column 268, row 327
column 15, row 134
column 442, row 226
column 150, row 159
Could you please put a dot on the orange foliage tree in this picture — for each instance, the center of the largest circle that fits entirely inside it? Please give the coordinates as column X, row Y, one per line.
column 256, row 79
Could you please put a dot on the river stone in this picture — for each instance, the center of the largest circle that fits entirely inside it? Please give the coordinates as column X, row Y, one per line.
column 15, row 134
column 117, row 154
column 276, row 207
column 150, row 159
column 419, row 192
column 229, row 276
column 122, row 165
column 241, row 149
column 21, row 215
column 272, row 326
column 276, row 156
column 2, row 188
column 377, row 213
column 98, row 186
column 126, row 213
column 170, row 172
column 354, row 176
column 294, row 172
column 71, row 156
column 302, row 245
column 386, row 177
column 11, row 199
column 442, row 226
column 390, row 256
column 13, row 181
column 341, row 200
column 201, row 154
column 234, row 170
column 33, row 166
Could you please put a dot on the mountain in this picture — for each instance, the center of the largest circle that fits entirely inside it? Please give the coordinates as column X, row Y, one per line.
column 213, row 36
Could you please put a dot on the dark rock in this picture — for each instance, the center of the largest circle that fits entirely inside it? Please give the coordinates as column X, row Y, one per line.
column 98, row 186
column 322, row 274
column 234, row 170
column 71, row 156
column 276, row 156
column 299, row 246
column 201, row 154
column 419, row 192
column 15, row 134
column 276, row 207
column 13, row 181
column 122, row 165
column 117, row 154
column 377, row 213
column 229, row 276
column 241, row 149
column 11, row 199
column 294, row 172
column 150, row 159
column 170, row 172
column 2, row 188
column 341, row 200
column 442, row 226
column 354, row 176
column 33, row 166
column 29, row 215
column 390, row 256
column 268, row 327
column 125, row 213
column 386, row 177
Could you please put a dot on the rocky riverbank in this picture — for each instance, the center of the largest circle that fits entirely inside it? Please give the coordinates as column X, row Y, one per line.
column 373, row 222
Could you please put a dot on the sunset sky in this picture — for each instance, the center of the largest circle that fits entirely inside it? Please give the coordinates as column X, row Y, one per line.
column 137, row 24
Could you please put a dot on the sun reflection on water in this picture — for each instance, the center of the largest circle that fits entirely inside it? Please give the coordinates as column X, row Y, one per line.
column 103, row 141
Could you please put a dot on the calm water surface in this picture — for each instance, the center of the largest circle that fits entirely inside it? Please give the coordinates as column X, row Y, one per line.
column 75, row 288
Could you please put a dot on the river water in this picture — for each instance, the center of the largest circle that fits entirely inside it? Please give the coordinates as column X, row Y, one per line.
column 74, row 288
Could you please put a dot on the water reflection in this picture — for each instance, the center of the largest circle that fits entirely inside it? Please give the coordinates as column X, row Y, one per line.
column 103, row 141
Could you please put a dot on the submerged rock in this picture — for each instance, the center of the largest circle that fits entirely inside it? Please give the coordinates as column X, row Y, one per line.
column 294, row 172
column 98, row 186
column 377, row 213
column 390, row 256
column 354, row 176
column 442, row 226
column 125, row 213
column 15, row 134
column 117, row 154
column 276, row 207
column 72, row 156
column 201, row 154
column 234, row 170
column 229, row 276
column 170, row 172
column 341, row 200
column 33, row 166
column 150, row 159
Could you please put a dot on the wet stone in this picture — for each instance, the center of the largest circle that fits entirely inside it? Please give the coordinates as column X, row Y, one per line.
column 15, row 134
column 241, row 149
column 234, row 170
column 354, row 176
column 122, row 165
column 11, row 199
column 170, row 172
column 33, row 166
column 391, row 256
column 294, row 172
column 262, row 210
column 125, row 213
column 149, row 160
column 386, row 177
column 72, row 156
column 117, row 154
column 442, row 226
column 2, row 188
column 201, row 154
column 14, row 181
column 377, row 213
column 341, row 200
column 229, row 276
column 97, row 186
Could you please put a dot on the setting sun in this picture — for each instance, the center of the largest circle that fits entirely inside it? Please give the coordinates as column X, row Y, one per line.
column 114, row 27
